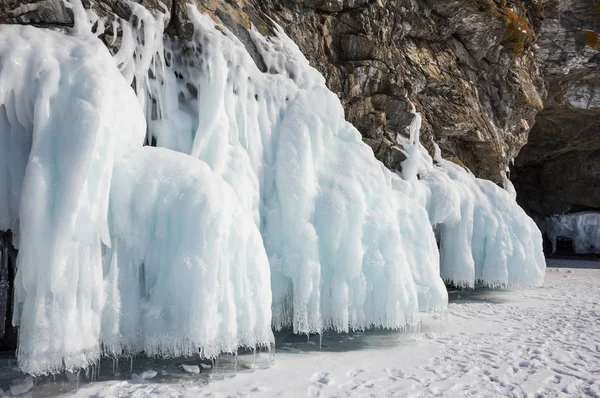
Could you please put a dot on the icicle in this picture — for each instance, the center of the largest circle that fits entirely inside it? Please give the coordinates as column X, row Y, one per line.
column 320, row 340
column 4, row 281
column 272, row 353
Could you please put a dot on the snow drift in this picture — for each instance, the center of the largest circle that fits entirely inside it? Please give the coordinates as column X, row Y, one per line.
column 262, row 208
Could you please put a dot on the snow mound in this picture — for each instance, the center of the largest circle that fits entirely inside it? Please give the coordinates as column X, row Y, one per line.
column 482, row 232
column 581, row 228
column 188, row 269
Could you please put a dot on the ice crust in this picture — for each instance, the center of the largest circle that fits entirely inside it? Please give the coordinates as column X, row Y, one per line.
column 261, row 208
column 581, row 228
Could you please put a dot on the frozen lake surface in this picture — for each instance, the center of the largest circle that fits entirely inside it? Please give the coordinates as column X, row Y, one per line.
column 520, row 342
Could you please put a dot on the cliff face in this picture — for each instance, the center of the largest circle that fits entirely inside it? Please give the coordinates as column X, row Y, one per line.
column 559, row 169
column 469, row 66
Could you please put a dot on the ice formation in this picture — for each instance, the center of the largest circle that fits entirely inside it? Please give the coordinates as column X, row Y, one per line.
column 188, row 269
column 262, row 207
column 583, row 229
column 483, row 234
column 344, row 249
column 65, row 114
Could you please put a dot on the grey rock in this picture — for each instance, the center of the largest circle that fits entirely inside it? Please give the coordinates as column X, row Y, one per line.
column 559, row 169
column 469, row 66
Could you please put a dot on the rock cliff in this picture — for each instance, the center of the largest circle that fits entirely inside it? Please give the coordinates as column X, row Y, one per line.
column 469, row 66
column 479, row 71
column 559, row 169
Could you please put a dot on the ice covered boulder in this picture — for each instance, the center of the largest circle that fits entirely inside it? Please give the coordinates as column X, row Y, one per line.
column 188, row 272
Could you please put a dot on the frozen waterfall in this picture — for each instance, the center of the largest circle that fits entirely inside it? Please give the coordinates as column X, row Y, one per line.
column 261, row 209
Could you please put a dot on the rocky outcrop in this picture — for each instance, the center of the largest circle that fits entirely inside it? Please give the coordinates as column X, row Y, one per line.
column 559, row 169
column 469, row 66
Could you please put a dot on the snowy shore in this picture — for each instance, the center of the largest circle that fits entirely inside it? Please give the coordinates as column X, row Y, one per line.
column 521, row 342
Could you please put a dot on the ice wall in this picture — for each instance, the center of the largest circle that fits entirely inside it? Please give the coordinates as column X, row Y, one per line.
column 345, row 250
column 483, row 235
column 65, row 114
column 581, row 228
column 262, row 208
column 179, row 267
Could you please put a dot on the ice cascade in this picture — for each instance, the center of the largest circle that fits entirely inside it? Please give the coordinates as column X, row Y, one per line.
column 483, row 235
column 260, row 208
column 65, row 114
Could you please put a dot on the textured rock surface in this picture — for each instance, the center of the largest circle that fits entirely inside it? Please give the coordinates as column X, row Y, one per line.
column 469, row 66
column 559, row 169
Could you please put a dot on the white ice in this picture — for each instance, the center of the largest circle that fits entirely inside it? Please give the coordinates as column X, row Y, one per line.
column 193, row 369
column 346, row 251
column 263, row 208
column 148, row 374
column 65, row 114
column 583, row 229
column 483, row 234
column 187, row 270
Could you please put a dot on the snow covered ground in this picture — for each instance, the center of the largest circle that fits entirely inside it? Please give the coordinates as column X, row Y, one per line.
column 522, row 342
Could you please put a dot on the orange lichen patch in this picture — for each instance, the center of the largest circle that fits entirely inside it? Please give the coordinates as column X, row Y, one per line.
column 592, row 38
column 520, row 32
column 457, row 161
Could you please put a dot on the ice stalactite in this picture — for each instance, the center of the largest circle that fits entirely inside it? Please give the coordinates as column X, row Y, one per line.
column 330, row 220
column 187, row 270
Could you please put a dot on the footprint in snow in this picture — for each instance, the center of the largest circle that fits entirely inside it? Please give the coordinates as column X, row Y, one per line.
column 395, row 373
column 321, row 378
column 354, row 372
